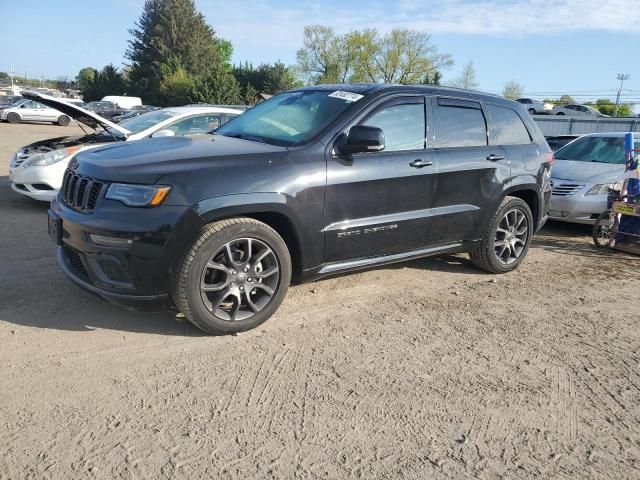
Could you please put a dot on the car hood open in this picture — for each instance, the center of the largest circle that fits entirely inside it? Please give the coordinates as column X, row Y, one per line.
column 146, row 161
column 79, row 114
column 591, row 172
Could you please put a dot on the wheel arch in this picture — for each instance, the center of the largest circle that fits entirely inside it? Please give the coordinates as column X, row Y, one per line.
column 529, row 193
column 272, row 209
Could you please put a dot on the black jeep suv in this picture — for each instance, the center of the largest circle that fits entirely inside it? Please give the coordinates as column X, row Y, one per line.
column 312, row 182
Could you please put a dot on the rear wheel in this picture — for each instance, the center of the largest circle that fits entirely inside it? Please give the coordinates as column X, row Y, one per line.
column 506, row 241
column 63, row 120
column 234, row 277
column 13, row 118
column 603, row 229
column 560, row 113
column 532, row 111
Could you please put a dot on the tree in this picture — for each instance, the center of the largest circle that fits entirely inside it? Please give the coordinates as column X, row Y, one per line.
column 217, row 86
column 401, row 56
column 607, row 107
column 166, row 30
column 267, row 78
column 106, row 82
column 566, row 99
column 85, row 77
column 4, row 76
column 175, row 84
column 513, row 90
column 434, row 78
column 467, row 78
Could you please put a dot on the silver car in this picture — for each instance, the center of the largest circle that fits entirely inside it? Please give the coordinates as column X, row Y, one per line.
column 534, row 106
column 582, row 173
column 31, row 111
column 577, row 111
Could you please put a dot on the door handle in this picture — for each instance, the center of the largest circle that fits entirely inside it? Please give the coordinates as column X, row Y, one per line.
column 495, row 158
column 419, row 163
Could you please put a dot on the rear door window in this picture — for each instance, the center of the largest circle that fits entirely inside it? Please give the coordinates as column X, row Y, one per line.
column 459, row 123
column 508, row 126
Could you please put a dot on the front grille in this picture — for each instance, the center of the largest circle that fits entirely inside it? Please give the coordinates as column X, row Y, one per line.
column 81, row 193
column 566, row 189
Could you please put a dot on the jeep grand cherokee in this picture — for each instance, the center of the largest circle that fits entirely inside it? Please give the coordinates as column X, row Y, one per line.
column 312, row 182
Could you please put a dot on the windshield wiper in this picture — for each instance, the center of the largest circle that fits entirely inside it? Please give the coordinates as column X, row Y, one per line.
column 243, row 136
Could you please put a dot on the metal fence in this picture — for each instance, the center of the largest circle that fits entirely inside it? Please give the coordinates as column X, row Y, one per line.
column 563, row 125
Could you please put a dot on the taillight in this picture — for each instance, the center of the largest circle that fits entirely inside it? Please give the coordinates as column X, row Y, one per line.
column 550, row 158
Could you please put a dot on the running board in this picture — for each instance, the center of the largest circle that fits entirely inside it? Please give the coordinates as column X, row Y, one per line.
column 384, row 259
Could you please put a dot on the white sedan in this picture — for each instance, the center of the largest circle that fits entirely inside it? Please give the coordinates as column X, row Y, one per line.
column 36, row 170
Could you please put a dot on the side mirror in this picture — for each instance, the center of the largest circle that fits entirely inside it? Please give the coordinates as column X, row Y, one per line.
column 163, row 133
column 362, row 138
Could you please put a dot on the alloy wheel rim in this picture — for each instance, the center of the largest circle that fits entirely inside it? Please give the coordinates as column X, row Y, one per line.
column 239, row 279
column 511, row 236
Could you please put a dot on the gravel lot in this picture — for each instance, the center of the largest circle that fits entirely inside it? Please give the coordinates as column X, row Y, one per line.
column 429, row 369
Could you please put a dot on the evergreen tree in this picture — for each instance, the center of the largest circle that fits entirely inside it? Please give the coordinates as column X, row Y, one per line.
column 217, row 86
column 170, row 30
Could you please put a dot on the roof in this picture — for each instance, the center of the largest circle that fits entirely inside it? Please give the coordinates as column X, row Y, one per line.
column 369, row 88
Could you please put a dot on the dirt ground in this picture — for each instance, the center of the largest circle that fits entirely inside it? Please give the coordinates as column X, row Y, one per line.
column 428, row 369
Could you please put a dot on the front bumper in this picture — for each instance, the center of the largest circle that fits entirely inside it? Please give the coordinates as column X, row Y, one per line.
column 137, row 273
column 38, row 182
column 577, row 208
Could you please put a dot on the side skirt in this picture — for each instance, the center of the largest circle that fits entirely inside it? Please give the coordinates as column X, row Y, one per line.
column 336, row 268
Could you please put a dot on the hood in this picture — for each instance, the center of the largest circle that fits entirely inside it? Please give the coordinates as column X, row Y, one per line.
column 587, row 172
column 146, row 161
column 87, row 117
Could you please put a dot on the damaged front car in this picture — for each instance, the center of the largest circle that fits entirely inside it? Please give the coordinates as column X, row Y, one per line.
column 36, row 170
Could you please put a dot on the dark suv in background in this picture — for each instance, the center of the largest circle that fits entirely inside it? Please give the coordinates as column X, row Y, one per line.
column 313, row 182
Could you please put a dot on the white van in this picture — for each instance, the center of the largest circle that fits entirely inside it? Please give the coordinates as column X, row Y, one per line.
column 123, row 102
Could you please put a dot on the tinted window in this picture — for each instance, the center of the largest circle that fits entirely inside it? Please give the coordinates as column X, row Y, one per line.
column 290, row 118
column 403, row 126
column 30, row 104
column 595, row 149
column 460, row 127
column 508, row 126
column 147, row 120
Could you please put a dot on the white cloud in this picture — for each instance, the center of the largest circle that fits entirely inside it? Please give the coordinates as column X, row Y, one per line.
column 268, row 21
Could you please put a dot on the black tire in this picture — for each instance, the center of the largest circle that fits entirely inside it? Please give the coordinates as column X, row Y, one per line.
column 191, row 274
column 485, row 256
column 602, row 229
column 532, row 111
column 560, row 113
column 13, row 118
column 63, row 120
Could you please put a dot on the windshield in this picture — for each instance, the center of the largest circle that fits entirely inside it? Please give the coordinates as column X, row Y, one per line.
column 595, row 149
column 289, row 118
column 147, row 120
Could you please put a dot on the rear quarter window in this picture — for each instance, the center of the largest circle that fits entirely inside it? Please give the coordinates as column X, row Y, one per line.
column 508, row 126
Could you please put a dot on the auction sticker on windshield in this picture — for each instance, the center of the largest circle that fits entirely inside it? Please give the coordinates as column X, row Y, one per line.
column 348, row 96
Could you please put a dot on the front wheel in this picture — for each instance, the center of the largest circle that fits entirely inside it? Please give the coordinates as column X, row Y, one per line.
column 63, row 120
column 234, row 277
column 13, row 118
column 507, row 238
column 603, row 229
column 532, row 111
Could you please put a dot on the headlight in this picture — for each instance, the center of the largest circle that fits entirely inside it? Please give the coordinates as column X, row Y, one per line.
column 138, row 195
column 599, row 189
column 49, row 158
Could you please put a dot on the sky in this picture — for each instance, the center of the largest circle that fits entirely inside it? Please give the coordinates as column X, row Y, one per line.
column 549, row 46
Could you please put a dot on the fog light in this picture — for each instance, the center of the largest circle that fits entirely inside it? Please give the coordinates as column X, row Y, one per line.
column 110, row 241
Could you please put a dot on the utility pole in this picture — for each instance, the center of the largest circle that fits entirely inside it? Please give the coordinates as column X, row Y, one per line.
column 12, row 72
column 622, row 77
